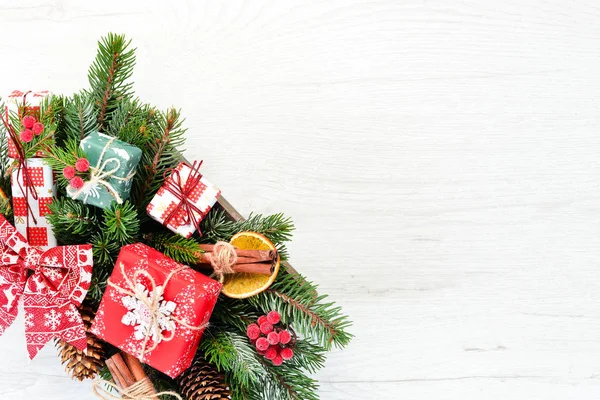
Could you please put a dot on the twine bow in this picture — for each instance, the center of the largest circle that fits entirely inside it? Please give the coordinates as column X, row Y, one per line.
column 142, row 390
column 182, row 192
column 152, row 304
column 21, row 163
column 99, row 175
column 223, row 259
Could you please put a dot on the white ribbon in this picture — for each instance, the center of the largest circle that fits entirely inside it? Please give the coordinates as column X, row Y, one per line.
column 98, row 175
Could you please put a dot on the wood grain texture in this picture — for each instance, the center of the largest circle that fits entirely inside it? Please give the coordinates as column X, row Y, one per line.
column 453, row 144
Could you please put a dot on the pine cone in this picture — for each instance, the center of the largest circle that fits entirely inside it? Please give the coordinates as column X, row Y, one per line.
column 202, row 381
column 83, row 365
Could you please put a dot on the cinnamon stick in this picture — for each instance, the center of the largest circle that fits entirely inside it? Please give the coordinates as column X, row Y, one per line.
column 116, row 374
column 128, row 378
column 135, row 366
column 263, row 268
column 256, row 255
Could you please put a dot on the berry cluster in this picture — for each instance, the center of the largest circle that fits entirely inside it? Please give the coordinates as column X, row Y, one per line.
column 70, row 172
column 271, row 339
column 31, row 128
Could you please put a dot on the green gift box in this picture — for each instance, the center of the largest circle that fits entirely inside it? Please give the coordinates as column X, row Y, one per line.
column 112, row 167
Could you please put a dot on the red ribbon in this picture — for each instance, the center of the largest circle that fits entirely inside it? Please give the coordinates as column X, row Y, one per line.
column 21, row 162
column 182, row 192
column 51, row 294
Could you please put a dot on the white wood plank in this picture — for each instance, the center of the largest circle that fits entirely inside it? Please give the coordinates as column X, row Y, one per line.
column 440, row 159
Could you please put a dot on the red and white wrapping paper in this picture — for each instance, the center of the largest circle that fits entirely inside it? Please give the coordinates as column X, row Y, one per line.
column 60, row 280
column 189, row 296
column 15, row 100
column 204, row 196
column 39, row 232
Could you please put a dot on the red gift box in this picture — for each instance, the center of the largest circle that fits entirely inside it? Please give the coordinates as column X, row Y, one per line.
column 186, row 304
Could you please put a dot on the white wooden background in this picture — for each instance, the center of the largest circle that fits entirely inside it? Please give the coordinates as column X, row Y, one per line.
column 440, row 158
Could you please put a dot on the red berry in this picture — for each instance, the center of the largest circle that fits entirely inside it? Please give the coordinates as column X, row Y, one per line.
column 82, row 165
column 69, row 172
column 277, row 361
column 266, row 327
column 28, row 122
column 273, row 338
column 38, row 128
column 285, row 337
column 273, row 317
column 76, row 183
column 26, row 135
column 271, row 353
column 253, row 331
column 262, row 319
column 287, row 353
column 262, row 344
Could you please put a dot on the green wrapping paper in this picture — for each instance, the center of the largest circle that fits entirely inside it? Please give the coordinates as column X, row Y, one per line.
column 113, row 164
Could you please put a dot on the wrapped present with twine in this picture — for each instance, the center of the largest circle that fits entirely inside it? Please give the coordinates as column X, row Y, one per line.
column 184, row 200
column 112, row 166
column 155, row 309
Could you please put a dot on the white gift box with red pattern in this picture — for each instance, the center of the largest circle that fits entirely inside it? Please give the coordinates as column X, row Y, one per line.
column 33, row 223
column 204, row 195
column 32, row 100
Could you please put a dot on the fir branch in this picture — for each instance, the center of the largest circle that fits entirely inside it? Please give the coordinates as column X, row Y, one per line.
column 80, row 116
column 231, row 352
column 277, row 227
column 294, row 297
column 72, row 221
column 109, row 75
column 60, row 157
column 121, row 223
column 234, row 313
column 4, row 163
column 288, row 383
column 180, row 249
column 105, row 251
column 161, row 154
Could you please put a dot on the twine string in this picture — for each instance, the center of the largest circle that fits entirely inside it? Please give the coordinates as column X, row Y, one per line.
column 100, row 172
column 141, row 390
column 153, row 306
column 182, row 191
column 223, row 259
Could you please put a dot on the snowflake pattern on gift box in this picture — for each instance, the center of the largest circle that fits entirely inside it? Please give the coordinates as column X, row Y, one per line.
column 139, row 316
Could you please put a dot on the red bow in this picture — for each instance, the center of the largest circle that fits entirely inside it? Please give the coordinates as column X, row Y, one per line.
column 51, row 294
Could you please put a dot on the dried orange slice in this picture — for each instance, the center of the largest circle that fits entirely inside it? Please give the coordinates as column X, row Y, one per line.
column 244, row 285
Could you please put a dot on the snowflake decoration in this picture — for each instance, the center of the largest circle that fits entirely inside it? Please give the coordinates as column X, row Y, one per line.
column 29, row 320
column 52, row 319
column 139, row 316
column 72, row 315
column 52, row 262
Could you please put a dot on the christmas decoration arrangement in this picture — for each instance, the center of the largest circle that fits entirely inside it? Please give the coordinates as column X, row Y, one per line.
column 134, row 264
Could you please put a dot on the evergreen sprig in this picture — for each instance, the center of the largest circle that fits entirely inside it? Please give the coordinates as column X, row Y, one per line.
column 109, row 76
column 277, row 227
column 231, row 352
column 121, row 223
column 180, row 249
column 80, row 117
column 72, row 221
column 310, row 314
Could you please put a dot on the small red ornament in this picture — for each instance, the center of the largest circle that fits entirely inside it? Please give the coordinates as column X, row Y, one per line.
column 69, row 172
column 262, row 344
column 285, row 337
column 28, row 122
column 271, row 353
column 82, row 165
column 76, row 183
column 26, row 135
column 273, row 317
column 287, row 353
column 253, row 332
column 38, row 128
column 266, row 328
column 273, row 338
column 277, row 361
